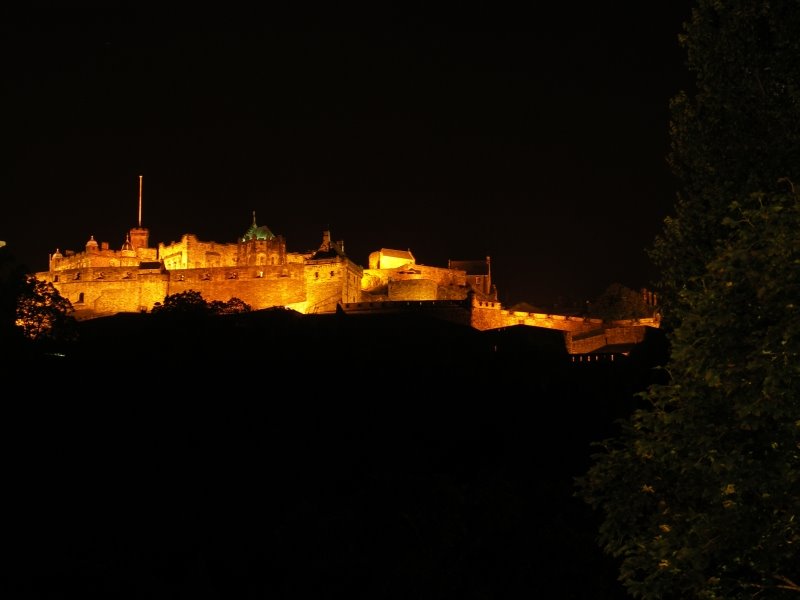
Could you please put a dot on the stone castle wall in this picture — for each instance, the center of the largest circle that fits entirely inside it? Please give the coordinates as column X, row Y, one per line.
column 413, row 289
column 102, row 291
column 491, row 315
column 375, row 278
column 452, row 292
column 96, row 292
column 260, row 287
column 619, row 334
column 191, row 253
column 329, row 282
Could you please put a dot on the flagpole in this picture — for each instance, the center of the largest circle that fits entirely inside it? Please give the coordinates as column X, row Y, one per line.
column 140, row 201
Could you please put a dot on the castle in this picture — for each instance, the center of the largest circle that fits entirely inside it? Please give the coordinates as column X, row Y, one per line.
column 258, row 269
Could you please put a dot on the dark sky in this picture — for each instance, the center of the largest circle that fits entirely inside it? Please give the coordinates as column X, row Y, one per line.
column 533, row 135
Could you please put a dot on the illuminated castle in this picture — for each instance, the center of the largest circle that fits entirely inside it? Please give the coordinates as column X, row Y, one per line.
column 258, row 269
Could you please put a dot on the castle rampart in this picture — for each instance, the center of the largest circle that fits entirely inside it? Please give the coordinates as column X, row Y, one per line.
column 618, row 334
column 95, row 292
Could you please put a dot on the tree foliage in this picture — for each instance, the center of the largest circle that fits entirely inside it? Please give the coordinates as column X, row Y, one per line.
column 620, row 302
column 33, row 315
column 183, row 304
column 700, row 495
column 231, row 307
column 736, row 133
column 191, row 304
column 12, row 281
column 42, row 313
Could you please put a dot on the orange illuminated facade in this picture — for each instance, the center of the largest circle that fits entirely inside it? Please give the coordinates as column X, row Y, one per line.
column 258, row 270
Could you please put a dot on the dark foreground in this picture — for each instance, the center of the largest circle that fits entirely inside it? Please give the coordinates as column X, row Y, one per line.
column 320, row 466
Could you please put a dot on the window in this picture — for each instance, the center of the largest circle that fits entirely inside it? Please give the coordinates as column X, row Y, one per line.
column 80, row 298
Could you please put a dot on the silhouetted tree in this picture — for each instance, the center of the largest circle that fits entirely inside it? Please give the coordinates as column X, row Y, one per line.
column 620, row 302
column 12, row 280
column 736, row 133
column 701, row 492
column 192, row 304
column 231, row 307
column 42, row 313
column 183, row 304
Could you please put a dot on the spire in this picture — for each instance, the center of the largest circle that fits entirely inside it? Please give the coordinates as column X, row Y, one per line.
column 254, row 219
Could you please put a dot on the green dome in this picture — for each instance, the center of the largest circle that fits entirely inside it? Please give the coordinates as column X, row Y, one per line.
column 257, row 233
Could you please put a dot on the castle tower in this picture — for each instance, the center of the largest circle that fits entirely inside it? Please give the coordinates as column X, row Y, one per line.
column 55, row 259
column 139, row 237
column 259, row 246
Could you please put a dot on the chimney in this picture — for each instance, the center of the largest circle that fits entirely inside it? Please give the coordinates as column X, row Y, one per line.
column 326, row 240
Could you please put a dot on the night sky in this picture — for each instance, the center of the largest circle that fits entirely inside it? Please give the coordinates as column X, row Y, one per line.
column 536, row 136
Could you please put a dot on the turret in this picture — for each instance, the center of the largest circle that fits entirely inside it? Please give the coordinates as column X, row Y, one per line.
column 55, row 259
column 127, row 247
column 92, row 246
